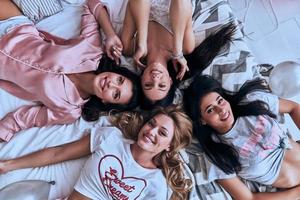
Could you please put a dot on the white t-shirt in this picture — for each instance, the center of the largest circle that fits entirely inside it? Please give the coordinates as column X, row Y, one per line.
column 112, row 173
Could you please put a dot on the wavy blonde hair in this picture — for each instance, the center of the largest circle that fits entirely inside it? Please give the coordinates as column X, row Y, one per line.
column 168, row 161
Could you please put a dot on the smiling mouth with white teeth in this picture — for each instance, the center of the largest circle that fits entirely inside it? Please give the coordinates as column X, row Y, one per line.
column 147, row 139
column 103, row 83
column 225, row 116
column 155, row 71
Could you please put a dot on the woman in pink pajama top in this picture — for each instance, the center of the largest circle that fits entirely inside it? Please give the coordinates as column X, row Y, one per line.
column 62, row 76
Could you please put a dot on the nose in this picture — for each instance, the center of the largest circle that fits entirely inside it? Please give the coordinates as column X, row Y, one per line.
column 156, row 75
column 153, row 131
column 112, row 84
column 220, row 109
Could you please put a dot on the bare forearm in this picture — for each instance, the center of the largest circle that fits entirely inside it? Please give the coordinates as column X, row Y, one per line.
column 104, row 22
column 49, row 156
column 295, row 115
column 292, row 108
column 36, row 159
column 140, row 10
column 180, row 13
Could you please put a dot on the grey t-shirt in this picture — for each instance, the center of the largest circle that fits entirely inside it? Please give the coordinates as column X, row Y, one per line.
column 260, row 142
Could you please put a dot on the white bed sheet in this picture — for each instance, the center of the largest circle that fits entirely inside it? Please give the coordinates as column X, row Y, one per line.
column 64, row 174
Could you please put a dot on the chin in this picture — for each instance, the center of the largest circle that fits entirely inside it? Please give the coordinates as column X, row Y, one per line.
column 145, row 146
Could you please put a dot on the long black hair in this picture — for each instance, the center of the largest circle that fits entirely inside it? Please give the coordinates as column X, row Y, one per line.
column 221, row 154
column 197, row 61
column 216, row 43
column 91, row 109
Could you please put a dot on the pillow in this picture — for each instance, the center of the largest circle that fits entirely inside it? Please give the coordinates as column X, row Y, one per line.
column 37, row 10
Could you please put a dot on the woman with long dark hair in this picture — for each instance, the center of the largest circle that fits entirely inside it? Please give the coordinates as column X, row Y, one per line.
column 160, row 32
column 61, row 76
column 240, row 135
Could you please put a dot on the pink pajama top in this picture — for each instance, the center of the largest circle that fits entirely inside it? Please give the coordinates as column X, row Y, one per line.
column 34, row 65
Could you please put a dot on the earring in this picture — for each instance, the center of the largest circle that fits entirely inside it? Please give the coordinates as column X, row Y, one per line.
column 202, row 123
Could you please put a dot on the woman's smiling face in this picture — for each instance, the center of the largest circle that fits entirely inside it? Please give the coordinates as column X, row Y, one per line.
column 156, row 82
column 156, row 135
column 113, row 88
column 216, row 112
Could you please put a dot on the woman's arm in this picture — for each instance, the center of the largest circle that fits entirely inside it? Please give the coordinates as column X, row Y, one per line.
column 180, row 17
column 29, row 116
column 113, row 44
column 238, row 190
column 292, row 108
column 139, row 10
column 181, row 23
column 49, row 156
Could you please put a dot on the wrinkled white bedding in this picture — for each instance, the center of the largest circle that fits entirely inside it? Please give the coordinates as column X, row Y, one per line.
column 64, row 174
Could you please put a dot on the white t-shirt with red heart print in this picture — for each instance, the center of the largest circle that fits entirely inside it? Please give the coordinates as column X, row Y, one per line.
column 112, row 173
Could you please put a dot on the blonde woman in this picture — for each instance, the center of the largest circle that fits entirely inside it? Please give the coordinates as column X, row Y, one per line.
column 134, row 168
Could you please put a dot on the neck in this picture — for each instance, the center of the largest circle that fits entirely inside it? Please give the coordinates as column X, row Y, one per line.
column 143, row 158
column 83, row 83
column 161, row 56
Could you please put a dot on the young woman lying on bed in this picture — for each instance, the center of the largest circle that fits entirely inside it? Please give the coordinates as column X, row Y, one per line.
column 161, row 31
column 62, row 76
column 164, row 34
column 146, row 159
column 240, row 135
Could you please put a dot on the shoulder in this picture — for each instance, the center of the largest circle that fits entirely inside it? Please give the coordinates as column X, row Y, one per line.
column 104, row 135
column 270, row 99
column 260, row 95
column 107, row 132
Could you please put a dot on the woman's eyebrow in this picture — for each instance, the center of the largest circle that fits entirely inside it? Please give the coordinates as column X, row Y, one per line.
column 164, row 128
column 148, row 86
column 217, row 99
column 162, row 89
column 119, row 95
column 206, row 108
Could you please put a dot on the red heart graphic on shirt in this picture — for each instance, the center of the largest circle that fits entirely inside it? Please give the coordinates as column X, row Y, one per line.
column 119, row 186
